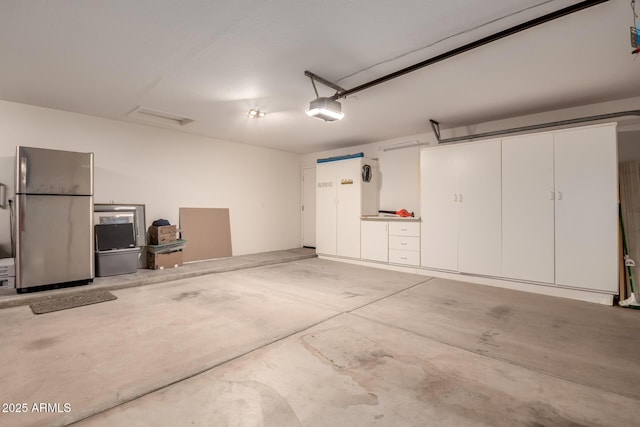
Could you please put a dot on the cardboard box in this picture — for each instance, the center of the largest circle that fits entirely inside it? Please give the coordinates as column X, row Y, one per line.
column 162, row 261
column 163, row 234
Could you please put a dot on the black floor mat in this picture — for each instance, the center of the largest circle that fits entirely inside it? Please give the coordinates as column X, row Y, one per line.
column 71, row 301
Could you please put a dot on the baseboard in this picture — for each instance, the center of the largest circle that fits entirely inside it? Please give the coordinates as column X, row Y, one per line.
column 536, row 288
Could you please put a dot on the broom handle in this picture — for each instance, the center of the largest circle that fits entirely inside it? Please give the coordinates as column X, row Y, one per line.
column 625, row 249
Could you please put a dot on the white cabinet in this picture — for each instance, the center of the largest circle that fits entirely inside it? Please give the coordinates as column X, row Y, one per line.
column 586, row 207
column 326, row 218
column 404, row 243
column 342, row 196
column 461, row 208
column 393, row 241
column 439, row 208
column 479, row 206
column 348, row 207
column 560, row 207
column 528, row 195
column 374, row 240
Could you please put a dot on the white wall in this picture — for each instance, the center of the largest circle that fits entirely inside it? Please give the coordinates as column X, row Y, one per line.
column 400, row 168
column 166, row 170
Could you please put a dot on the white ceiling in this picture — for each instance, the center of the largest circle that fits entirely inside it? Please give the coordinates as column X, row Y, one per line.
column 213, row 60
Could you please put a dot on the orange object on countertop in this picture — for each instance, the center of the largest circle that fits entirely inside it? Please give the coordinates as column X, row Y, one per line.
column 402, row 212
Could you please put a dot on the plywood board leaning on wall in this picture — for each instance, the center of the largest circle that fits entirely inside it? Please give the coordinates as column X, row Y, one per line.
column 207, row 231
column 630, row 204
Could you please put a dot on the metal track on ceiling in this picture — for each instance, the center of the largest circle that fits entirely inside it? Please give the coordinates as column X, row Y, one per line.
column 343, row 93
column 436, row 126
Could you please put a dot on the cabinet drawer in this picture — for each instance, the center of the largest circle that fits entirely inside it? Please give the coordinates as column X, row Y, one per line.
column 404, row 243
column 404, row 228
column 404, row 257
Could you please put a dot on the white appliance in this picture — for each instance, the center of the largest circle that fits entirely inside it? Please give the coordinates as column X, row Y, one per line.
column 346, row 188
column 7, row 273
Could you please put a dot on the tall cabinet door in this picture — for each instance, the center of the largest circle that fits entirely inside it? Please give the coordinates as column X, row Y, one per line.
column 309, row 207
column 528, row 208
column 586, row 207
column 325, row 209
column 479, row 208
column 348, row 224
column 439, row 208
column 348, row 183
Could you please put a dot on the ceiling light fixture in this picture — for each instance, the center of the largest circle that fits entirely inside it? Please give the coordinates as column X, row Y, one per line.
column 255, row 113
column 159, row 116
column 399, row 145
column 327, row 109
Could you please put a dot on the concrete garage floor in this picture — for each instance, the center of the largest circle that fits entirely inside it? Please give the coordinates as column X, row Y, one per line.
column 320, row 343
column 142, row 277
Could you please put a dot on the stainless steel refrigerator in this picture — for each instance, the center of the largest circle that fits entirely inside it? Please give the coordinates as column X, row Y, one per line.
column 54, row 217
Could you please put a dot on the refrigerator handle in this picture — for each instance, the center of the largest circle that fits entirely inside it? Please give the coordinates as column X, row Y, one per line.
column 23, row 174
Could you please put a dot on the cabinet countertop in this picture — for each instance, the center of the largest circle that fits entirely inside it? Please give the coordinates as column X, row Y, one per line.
column 389, row 218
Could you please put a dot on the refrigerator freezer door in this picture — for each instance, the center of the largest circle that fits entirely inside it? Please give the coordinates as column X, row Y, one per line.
column 44, row 171
column 55, row 241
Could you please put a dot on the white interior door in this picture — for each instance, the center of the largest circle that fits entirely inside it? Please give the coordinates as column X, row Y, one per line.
column 480, row 208
column 439, row 208
column 528, row 208
column 325, row 209
column 586, row 208
column 309, row 207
